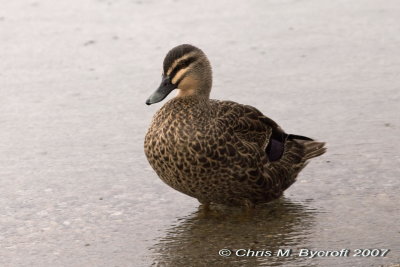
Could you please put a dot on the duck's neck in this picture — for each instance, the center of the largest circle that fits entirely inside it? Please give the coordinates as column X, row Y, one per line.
column 191, row 98
column 194, row 93
column 196, row 86
column 192, row 106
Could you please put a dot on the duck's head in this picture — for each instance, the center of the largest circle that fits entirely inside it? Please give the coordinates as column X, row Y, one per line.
column 187, row 69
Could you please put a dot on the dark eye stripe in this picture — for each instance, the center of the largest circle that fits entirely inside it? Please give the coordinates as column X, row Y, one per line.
column 181, row 65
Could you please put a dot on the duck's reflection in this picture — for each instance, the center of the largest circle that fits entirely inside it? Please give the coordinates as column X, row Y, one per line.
column 198, row 238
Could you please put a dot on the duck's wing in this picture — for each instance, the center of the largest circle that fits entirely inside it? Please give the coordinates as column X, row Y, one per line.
column 243, row 135
column 248, row 123
column 260, row 151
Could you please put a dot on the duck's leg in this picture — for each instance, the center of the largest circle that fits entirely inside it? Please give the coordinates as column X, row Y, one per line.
column 205, row 205
column 204, row 210
column 248, row 204
column 248, row 208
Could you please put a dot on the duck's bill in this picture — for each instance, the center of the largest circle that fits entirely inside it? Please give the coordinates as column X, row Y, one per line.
column 165, row 88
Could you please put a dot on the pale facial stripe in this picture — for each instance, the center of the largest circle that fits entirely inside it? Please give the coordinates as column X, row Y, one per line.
column 183, row 64
column 179, row 75
column 188, row 55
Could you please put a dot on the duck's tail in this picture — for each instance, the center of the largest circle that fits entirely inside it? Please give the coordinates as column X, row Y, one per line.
column 311, row 148
column 299, row 148
column 296, row 153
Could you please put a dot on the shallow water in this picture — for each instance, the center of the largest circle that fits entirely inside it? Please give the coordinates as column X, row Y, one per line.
column 76, row 188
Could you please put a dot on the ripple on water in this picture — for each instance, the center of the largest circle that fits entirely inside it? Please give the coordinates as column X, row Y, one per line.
column 200, row 235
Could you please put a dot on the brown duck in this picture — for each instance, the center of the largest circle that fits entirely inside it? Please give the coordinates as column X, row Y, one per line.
column 218, row 151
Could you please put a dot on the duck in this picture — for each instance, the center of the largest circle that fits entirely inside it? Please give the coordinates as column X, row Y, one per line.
column 216, row 151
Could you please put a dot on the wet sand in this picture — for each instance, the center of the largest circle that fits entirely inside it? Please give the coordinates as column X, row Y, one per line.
column 76, row 188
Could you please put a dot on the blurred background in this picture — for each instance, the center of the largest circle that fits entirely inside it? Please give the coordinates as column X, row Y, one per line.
column 76, row 188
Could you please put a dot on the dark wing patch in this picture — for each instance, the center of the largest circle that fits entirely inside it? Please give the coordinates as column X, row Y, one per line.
column 275, row 149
